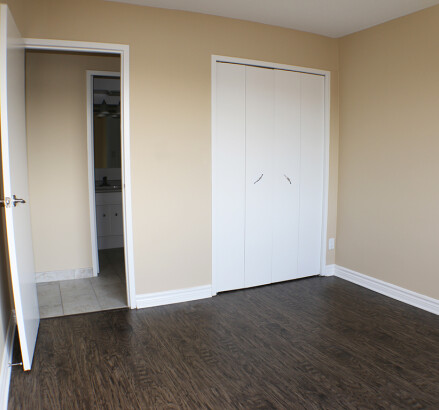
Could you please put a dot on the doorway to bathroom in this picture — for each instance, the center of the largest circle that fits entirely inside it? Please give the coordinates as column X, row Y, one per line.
column 104, row 151
column 77, row 272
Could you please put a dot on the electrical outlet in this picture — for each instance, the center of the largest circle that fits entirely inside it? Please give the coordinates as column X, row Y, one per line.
column 331, row 244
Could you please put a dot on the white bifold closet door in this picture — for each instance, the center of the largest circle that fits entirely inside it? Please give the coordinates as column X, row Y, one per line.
column 267, row 176
column 311, row 173
column 259, row 161
column 228, row 179
column 298, row 175
column 286, row 184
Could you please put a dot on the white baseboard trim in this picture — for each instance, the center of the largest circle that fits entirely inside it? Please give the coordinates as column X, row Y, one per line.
column 329, row 270
column 67, row 274
column 173, row 296
column 5, row 369
column 396, row 292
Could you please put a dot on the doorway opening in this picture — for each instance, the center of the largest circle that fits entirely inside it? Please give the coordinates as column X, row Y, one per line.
column 71, row 279
column 105, row 180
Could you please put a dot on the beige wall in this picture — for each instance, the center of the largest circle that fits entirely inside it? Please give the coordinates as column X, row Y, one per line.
column 17, row 8
column 388, row 220
column 57, row 156
column 170, row 117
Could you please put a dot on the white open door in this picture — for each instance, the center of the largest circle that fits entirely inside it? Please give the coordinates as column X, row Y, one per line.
column 15, row 184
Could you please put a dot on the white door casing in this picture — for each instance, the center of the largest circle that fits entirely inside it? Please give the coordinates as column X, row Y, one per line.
column 15, row 182
column 124, row 51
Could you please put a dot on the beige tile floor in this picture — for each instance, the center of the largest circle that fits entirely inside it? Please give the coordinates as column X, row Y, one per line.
column 69, row 297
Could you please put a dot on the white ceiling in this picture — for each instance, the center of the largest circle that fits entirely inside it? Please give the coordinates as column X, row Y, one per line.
column 333, row 18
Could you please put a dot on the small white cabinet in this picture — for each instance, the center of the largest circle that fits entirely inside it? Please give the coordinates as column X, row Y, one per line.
column 109, row 220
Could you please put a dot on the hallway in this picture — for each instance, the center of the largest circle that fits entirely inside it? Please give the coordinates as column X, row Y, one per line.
column 69, row 297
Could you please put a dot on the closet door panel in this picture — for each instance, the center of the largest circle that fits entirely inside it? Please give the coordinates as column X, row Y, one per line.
column 311, row 174
column 228, row 178
column 259, row 175
column 286, row 181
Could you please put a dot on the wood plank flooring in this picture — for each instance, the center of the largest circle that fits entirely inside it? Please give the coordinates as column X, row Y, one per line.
column 312, row 343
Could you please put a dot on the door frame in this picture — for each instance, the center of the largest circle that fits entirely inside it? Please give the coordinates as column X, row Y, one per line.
column 124, row 52
column 264, row 64
column 91, row 169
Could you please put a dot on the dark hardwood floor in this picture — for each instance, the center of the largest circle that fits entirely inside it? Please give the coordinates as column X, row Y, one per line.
column 312, row 343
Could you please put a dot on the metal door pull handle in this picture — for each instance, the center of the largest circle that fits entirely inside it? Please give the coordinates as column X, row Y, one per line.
column 16, row 200
column 288, row 179
column 258, row 179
